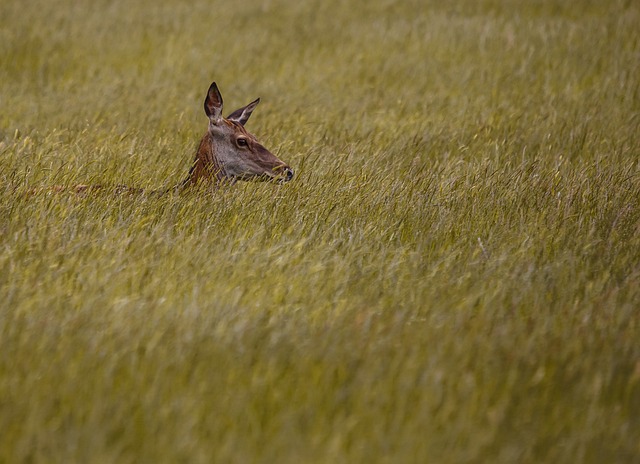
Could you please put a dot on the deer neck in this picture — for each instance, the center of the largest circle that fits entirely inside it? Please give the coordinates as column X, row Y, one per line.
column 205, row 167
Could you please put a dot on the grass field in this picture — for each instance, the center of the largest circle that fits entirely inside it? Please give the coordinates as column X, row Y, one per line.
column 453, row 275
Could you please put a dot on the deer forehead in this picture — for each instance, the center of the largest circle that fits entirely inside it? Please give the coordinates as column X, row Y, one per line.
column 227, row 127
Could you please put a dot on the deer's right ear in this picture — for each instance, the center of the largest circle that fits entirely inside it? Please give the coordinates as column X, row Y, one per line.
column 213, row 104
column 242, row 115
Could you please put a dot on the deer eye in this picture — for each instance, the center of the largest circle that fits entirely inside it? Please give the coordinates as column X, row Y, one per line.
column 242, row 142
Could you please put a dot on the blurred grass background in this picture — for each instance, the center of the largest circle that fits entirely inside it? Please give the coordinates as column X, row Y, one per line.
column 452, row 276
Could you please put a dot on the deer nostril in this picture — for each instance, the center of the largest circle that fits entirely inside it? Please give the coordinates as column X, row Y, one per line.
column 288, row 174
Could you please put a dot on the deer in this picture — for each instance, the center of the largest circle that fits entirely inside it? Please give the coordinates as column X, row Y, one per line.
column 226, row 153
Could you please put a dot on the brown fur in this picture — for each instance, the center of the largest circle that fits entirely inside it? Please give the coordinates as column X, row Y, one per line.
column 204, row 168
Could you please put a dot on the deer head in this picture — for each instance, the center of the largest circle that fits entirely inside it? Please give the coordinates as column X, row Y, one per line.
column 228, row 151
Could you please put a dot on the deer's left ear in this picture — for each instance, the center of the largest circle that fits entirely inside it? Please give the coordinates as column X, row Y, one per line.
column 213, row 104
column 242, row 115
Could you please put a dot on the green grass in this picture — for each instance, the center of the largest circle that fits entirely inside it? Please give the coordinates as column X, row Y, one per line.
column 453, row 275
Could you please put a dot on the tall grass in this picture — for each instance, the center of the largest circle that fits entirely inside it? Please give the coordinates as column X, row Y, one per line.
column 452, row 276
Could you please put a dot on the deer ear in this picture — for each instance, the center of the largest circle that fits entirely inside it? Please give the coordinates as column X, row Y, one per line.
column 242, row 115
column 213, row 104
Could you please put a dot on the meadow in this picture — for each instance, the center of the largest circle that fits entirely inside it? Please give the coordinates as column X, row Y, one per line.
column 452, row 276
